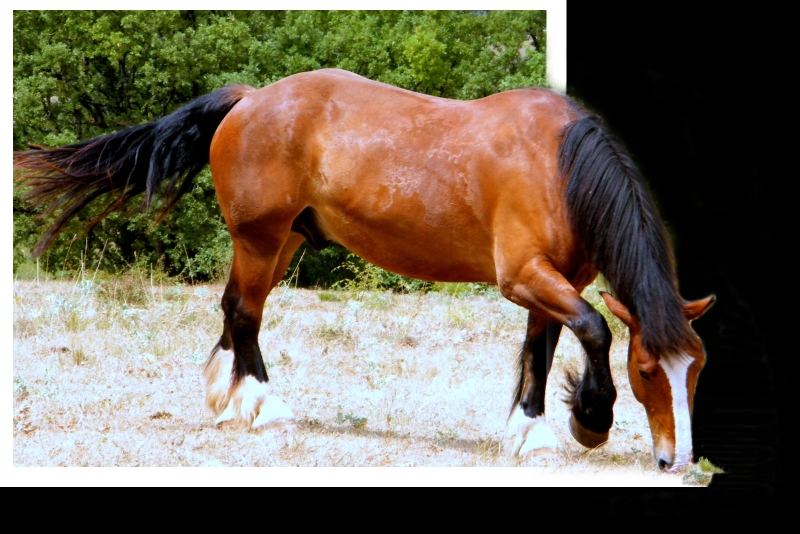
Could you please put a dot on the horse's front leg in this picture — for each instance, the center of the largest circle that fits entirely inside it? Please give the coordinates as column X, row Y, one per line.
column 237, row 388
column 527, row 426
column 538, row 286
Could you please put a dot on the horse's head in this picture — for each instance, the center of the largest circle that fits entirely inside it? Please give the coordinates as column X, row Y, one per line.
column 665, row 385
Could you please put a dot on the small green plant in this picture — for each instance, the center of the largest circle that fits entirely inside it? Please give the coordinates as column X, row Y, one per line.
column 461, row 316
column 330, row 332
column 592, row 296
column 126, row 289
column 462, row 289
column 20, row 389
column 333, row 297
column 447, row 435
column 79, row 356
column 701, row 472
column 707, row 467
column 369, row 277
column 342, row 418
column 75, row 320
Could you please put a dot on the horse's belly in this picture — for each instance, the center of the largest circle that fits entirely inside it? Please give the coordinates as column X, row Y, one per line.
column 445, row 247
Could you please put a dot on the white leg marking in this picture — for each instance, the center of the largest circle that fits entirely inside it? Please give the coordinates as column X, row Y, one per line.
column 274, row 412
column 227, row 415
column 250, row 396
column 249, row 404
column 217, row 372
column 530, row 434
column 676, row 369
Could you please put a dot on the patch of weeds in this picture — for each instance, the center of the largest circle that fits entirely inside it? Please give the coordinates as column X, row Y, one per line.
column 342, row 418
column 161, row 415
column 592, row 295
column 178, row 295
column 81, row 358
column 20, row 389
column 368, row 277
column 77, row 355
column 330, row 332
column 24, row 328
column 76, row 321
column 379, row 300
column 460, row 316
column 447, row 435
column 701, row 472
column 87, row 287
column 201, row 292
column 271, row 323
column 707, row 467
column 381, row 381
column 374, row 377
column 462, row 289
column 126, row 289
column 618, row 459
column 332, row 297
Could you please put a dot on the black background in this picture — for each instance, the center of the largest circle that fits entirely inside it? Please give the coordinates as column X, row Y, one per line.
column 692, row 98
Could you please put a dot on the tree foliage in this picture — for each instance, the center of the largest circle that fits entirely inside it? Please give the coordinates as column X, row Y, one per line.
column 80, row 74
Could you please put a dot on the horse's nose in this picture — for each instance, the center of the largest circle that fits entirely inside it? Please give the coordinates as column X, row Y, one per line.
column 664, row 464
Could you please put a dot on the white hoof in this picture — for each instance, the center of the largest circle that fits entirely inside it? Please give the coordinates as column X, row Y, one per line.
column 530, row 436
column 274, row 415
column 248, row 404
column 228, row 415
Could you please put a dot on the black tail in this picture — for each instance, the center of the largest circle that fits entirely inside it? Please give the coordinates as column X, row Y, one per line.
column 167, row 153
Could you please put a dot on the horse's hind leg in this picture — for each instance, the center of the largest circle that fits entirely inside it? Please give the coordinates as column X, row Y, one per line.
column 527, row 425
column 236, row 379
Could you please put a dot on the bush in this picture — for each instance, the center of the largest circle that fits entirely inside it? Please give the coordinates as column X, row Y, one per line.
column 81, row 74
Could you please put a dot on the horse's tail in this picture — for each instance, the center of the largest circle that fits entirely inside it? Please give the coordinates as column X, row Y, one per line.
column 163, row 155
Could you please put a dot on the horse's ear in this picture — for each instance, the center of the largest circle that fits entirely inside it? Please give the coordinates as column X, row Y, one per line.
column 617, row 308
column 694, row 310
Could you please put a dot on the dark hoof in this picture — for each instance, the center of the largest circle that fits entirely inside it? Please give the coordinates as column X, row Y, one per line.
column 584, row 436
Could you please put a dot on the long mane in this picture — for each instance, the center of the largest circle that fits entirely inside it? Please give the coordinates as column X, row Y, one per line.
column 613, row 213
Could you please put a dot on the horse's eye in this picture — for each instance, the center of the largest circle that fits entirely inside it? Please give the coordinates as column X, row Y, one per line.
column 644, row 375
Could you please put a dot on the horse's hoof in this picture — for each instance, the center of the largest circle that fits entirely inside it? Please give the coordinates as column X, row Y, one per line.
column 529, row 436
column 275, row 416
column 588, row 438
column 247, row 404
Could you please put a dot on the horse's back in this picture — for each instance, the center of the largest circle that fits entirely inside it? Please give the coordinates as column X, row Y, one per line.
column 414, row 183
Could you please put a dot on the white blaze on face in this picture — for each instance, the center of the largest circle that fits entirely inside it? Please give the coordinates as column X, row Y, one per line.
column 676, row 369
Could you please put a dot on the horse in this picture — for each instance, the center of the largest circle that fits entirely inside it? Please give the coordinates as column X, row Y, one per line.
column 524, row 189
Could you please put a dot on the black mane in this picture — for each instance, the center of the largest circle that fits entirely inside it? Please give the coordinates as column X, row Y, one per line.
column 612, row 212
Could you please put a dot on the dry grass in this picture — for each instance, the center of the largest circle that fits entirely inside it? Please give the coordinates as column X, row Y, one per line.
column 109, row 374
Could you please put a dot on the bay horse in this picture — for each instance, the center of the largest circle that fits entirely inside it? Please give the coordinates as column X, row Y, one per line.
column 524, row 189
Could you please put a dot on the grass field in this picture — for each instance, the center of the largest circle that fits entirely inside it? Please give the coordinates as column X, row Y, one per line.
column 109, row 373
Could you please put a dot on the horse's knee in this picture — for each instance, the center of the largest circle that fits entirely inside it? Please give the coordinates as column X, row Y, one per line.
column 591, row 329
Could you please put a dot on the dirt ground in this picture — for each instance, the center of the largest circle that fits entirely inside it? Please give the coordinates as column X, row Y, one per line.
column 108, row 374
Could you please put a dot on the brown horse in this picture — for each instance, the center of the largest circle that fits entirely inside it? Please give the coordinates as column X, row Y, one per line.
column 523, row 189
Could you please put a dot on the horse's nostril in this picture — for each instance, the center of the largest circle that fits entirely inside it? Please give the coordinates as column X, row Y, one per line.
column 663, row 464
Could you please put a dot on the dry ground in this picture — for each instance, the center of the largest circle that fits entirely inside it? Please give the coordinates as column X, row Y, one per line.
column 109, row 374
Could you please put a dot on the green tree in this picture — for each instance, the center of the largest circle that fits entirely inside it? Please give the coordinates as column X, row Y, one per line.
column 80, row 74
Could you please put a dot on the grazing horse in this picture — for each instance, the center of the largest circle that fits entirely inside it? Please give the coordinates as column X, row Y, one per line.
column 524, row 189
